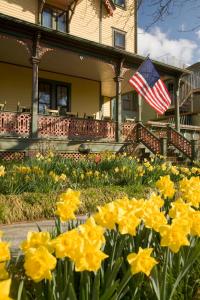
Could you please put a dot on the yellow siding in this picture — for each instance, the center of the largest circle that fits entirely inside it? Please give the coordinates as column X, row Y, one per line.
column 22, row 9
column 85, row 21
column 123, row 20
column 106, row 107
column 16, row 85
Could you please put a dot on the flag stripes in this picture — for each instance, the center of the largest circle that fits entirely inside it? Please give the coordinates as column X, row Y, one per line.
column 157, row 95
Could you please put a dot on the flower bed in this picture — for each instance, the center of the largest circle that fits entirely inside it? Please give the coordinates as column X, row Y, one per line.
column 129, row 249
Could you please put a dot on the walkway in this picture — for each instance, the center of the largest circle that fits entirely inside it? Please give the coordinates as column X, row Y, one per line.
column 16, row 233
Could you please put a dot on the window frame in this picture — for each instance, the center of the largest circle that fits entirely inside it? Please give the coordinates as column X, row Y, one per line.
column 54, row 17
column 53, row 87
column 121, row 6
column 116, row 30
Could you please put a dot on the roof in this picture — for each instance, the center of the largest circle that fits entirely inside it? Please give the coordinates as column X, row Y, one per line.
column 18, row 27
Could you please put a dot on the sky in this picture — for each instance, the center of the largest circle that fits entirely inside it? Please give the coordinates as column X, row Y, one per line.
column 175, row 39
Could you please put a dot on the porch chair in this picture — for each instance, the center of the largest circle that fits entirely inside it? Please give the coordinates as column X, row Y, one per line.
column 2, row 106
column 22, row 108
column 52, row 112
column 71, row 114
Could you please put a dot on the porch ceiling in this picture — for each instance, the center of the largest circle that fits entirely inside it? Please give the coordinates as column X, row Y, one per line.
column 14, row 51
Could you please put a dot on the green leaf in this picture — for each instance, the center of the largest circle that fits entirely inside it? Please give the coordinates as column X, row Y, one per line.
column 110, row 291
column 128, row 275
column 20, row 290
column 72, row 294
column 192, row 257
column 114, row 272
column 96, row 287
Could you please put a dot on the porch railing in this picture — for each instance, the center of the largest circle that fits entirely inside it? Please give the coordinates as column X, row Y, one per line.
column 19, row 125
column 146, row 137
column 15, row 124
column 179, row 142
column 50, row 126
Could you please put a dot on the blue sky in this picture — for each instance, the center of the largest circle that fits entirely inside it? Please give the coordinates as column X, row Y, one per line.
column 171, row 40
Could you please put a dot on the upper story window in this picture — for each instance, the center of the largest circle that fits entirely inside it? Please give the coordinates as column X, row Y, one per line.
column 119, row 39
column 170, row 87
column 120, row 3
column 55, row 19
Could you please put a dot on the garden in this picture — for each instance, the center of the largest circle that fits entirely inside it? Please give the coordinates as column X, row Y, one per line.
column 140, row 239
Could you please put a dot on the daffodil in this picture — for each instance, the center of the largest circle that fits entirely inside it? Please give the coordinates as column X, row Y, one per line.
column 142, row 261
column 39, row 263
column 166, row 186
column 5, row 289
column 37, row 239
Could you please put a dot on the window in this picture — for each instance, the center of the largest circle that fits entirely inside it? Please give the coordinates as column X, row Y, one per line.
column 129, row 102
column 55, row 19
column 170, row 87
column 53, row 95
column 47, row 18
column 120, row 3
column 119, row 39
column 45, row 96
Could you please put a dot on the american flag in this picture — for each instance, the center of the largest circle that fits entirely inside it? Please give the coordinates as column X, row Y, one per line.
column 146, row 81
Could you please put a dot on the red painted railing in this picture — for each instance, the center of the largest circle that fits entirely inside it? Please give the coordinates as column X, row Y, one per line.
column 15, row 124
column 179, row 141
column 146, row 137
column 71, row 128
column 128, row 131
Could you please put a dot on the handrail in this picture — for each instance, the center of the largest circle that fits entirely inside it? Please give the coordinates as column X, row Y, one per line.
column 176, row 139
column 150, row 140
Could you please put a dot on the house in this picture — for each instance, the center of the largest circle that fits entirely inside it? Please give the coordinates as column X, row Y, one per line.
column 64, row 71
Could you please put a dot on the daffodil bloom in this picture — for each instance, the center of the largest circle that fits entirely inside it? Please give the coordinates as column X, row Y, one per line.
column 67, row 205
column 89, row 258
column 166, row 186
column 4, row 251
column 37, row 239
column 179, row 209
column 154, row 219
column 189, row 189
column 39, row 263
column 128, row 224
column 66, row 244
column 107, row 215
column 142, row 261
column 5, row 289
column 195, row 222
column 175, row 235
column 2, row 171
column 3, row 273
column 93, row 233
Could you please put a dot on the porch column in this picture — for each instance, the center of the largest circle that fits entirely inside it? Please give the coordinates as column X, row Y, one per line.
column 139, row 112
column 118, row 80
column 177, row 105
column 34, row 120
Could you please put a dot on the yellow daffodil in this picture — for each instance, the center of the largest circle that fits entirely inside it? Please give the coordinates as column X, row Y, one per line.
column 189, row 189
column 142, row 261
column 37, row 239
column 89, row 259
column 67, row 205
column 3, row 273
column 66, row 244
column 4, row 251
column 93, row 233
column 128, row 224
column 2, row 171
column 5, row 289
column 175, row 235
column 166, row 186
column 39, row 263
